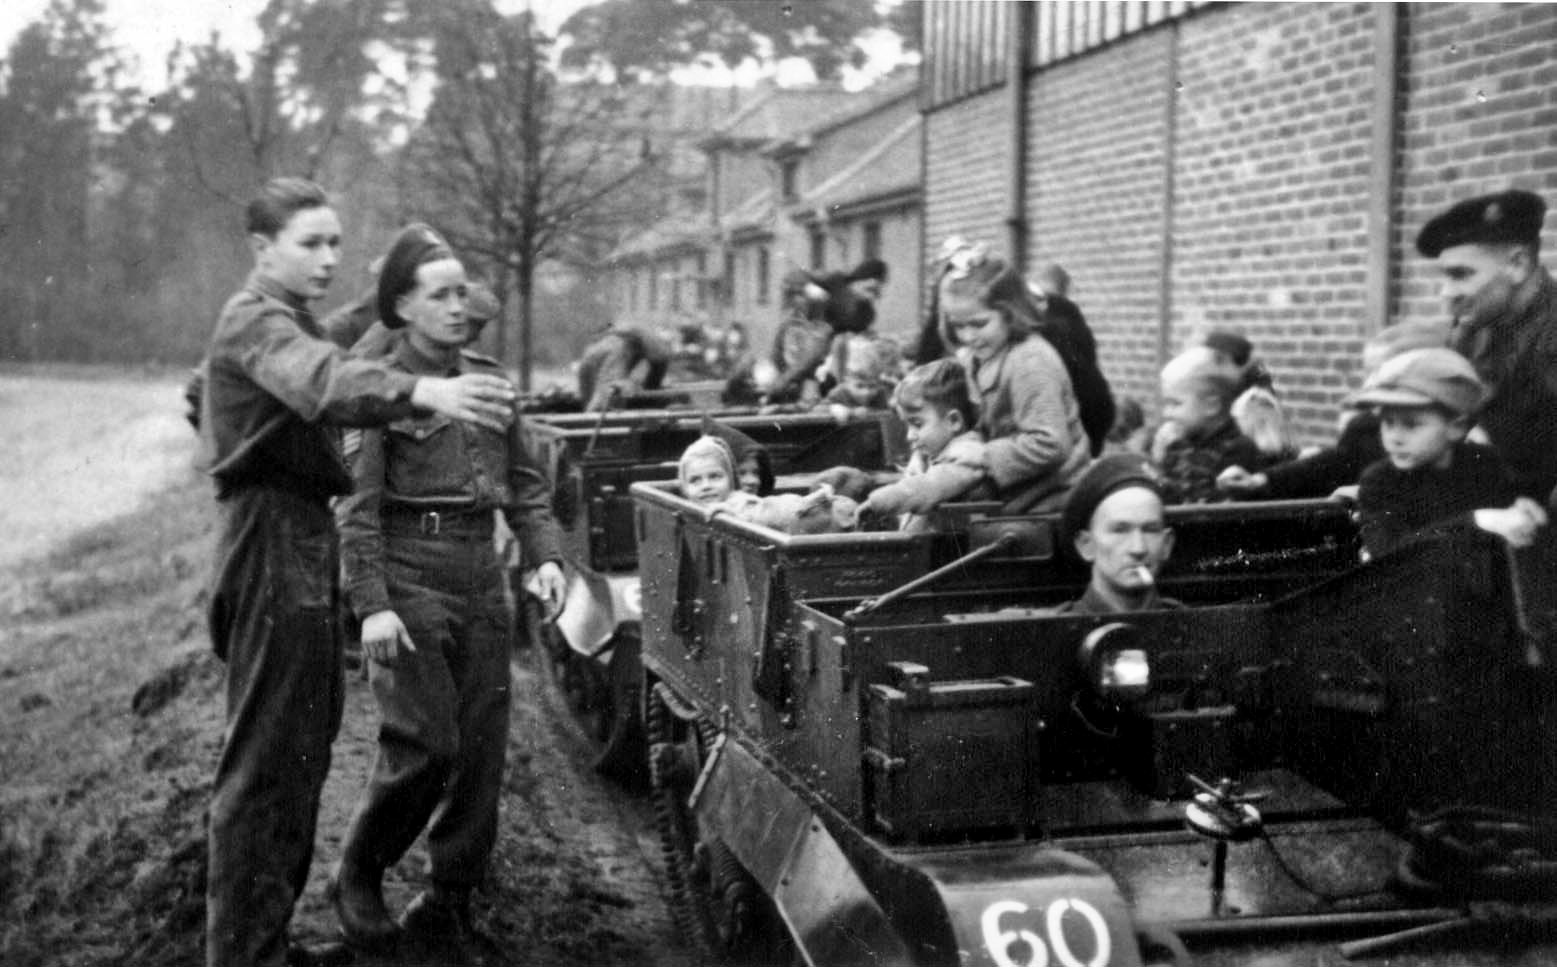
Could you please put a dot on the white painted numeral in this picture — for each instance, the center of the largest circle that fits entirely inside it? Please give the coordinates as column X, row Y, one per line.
column 1000, row 942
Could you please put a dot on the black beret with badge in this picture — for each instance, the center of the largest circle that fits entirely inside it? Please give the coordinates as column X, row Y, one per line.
column 1510, row 217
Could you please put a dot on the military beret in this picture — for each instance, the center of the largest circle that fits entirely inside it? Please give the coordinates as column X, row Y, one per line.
column 481, row 305
column 414, row 247
column 1507, row 217
column 1424, row 377
column 1108, row 474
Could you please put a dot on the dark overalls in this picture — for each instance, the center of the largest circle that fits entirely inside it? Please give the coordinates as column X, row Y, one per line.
column 271, row 383
column 417, row 540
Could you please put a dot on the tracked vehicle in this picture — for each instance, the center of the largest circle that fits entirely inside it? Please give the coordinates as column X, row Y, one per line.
column 591, row 652
column 859, row 756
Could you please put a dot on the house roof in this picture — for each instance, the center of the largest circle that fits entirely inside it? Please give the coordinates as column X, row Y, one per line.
column 783, row 111
column 889, row 169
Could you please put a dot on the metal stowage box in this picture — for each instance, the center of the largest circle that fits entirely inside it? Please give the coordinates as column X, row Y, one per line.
column 952, row 755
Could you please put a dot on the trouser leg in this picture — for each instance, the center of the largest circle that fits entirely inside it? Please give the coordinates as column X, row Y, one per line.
column 418, row 737
column 272, row 619
column 464, row 827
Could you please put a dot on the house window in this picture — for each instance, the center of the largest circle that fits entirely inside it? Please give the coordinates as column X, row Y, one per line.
column 789, row 179
column 729, row 277
column 763, row 268
column 632, row 290
column 818, row 250
column 675, row 288
column 702, row 280
column 654, row 287
column 871, row 240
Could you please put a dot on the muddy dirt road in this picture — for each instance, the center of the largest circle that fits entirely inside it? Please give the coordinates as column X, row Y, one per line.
column 112, row 707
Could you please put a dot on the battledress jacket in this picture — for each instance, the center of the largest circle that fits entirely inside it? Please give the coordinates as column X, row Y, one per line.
column 273, row 384
column 432, row 463
column 1516, row 357
column 1029, row 414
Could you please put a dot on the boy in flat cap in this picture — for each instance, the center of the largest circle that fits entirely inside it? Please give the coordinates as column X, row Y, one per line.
column 1504, row 306
column 1114, row 518
column 1431, row 480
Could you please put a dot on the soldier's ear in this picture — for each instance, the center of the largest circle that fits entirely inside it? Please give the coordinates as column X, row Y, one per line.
column 1086, row 546
column 259, row 244
column 1522, row 261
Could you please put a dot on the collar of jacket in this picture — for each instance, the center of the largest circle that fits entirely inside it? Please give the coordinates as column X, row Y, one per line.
column 414, row 361
column 264, row 285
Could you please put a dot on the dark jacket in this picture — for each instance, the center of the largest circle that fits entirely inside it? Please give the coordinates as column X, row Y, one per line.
column 1319, row 474
column 1400, row 505
column 1516, row 357
column 433, row 463
column 272, row 387
column 1192, row 462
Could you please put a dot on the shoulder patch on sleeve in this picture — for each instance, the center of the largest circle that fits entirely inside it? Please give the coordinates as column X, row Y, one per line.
column 351, row 442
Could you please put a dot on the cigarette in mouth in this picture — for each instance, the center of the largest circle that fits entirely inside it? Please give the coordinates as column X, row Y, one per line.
column 1144, row 575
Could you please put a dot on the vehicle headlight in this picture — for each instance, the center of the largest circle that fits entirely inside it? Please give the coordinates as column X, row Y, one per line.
column 1115, row 664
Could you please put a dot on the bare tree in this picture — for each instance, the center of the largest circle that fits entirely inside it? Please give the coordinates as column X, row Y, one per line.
column 517, row 166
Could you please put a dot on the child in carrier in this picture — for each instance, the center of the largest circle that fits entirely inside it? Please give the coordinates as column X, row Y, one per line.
column 1431, row 479
column 706, row 471
column 1197, row 394
column 948, row 461
column 1029, row 414
column 707, row 475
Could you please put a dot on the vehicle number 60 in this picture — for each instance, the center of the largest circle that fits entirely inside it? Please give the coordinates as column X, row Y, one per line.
column 1024, row 948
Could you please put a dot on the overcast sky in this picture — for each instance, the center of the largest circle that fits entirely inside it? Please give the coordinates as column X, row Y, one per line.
column 149, row 28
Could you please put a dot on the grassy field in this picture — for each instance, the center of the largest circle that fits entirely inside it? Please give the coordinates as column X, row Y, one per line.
column 111, row 705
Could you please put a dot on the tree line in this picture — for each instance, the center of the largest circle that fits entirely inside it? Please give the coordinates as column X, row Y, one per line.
column 120, row 206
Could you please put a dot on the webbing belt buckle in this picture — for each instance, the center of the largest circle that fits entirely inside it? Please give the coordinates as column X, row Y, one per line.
column 431, row 523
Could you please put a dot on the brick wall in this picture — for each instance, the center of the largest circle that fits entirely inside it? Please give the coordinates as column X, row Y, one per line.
column 1479, row 100
column 1273, row 149
column 965, row 164
column 1096, row 190
column 1271, row 174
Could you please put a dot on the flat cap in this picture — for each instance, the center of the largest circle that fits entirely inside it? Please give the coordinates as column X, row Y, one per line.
column 1108, row 474
column 1507, row 217
column 1424, row 377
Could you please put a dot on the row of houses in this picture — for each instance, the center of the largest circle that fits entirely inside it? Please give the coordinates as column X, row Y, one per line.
column 1260, row 166
column 814, row 178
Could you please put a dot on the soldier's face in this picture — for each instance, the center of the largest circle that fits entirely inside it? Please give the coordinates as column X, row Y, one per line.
column 1479, row 280
column 303, row 255
column 1127, row 542
column 435, row 308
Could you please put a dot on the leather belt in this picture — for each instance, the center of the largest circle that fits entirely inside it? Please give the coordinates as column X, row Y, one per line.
column 458, row 523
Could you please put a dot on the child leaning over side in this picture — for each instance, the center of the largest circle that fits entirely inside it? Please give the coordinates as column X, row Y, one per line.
column 1431, row 479
column 1197, row 394
column 948, row 461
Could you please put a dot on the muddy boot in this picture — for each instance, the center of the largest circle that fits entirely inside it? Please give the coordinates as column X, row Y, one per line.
column 439, row 919
column 358, row 897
